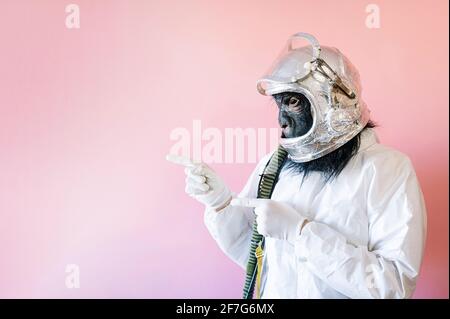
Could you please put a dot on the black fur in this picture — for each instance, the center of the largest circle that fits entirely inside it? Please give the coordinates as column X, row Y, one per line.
column 332, row 164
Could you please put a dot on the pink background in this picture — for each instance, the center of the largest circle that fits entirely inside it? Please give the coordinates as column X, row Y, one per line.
column 85, row 118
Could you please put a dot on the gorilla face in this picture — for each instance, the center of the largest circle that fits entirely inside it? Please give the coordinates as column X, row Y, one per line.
column 295, row 119
column 294, row 114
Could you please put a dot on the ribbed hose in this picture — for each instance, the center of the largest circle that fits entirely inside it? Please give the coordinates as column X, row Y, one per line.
column 266, row 185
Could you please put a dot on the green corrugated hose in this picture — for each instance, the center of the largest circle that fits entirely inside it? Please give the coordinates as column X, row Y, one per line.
column 266, row 185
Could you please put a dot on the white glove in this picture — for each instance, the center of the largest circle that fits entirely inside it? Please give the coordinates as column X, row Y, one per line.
column 275, row 219
column 203, row 184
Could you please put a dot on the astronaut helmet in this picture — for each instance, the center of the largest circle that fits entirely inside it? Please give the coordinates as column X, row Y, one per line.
column 331, row 84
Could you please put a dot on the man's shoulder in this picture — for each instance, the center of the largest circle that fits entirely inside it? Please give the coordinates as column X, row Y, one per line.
column 385, row 158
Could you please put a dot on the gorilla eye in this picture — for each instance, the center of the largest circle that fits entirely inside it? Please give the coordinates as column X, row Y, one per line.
column 293, row 102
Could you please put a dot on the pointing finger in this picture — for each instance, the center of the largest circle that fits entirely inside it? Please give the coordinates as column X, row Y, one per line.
column 247, row 202
column 181, row 160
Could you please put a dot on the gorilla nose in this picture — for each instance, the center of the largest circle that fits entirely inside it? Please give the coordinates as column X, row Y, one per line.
column 284, row 122
column 286, row 127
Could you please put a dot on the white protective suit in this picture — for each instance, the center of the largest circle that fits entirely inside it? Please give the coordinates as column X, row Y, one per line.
column 365, row 238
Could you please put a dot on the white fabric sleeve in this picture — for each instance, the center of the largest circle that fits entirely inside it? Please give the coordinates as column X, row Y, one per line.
column 231, row 227
column 389, row 265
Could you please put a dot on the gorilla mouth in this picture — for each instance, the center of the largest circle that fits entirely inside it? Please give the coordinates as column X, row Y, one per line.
column 283, row 129
column 287, row 131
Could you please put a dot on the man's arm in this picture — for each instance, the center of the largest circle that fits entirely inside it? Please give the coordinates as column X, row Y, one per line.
column 231, row 227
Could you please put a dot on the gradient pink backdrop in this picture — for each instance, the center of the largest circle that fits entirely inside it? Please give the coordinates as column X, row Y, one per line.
column 85, row 118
